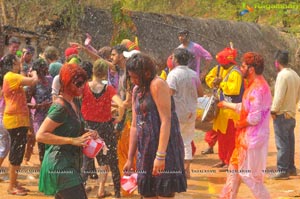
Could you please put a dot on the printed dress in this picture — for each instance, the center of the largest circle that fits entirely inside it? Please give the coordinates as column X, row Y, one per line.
column 148, row 124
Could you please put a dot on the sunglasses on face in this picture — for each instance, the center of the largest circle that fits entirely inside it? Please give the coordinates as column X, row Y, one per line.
column 79, row 83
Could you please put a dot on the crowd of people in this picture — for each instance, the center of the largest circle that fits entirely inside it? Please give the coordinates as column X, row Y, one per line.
column 146, row 117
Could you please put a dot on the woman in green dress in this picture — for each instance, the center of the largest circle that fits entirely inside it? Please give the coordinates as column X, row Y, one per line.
column 63, row 133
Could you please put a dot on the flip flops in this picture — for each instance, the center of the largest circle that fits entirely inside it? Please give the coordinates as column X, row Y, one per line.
column 17, row 192
column 23, row 188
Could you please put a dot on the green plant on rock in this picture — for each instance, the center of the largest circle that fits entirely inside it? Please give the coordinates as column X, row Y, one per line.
column 123, row 25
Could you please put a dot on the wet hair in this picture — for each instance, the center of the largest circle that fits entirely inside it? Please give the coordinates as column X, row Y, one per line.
column 30, row 49
column 282, row 56
column 6, row 65
column 119, row 48
column 39, row 66
column 69, row 73
column 14, row 40
column 100, row 68
column 88, row 67
column 184, row 32
column 254, row 60
column 143, row 66
column 51, row 53
column 182, row 56
column 105, row 52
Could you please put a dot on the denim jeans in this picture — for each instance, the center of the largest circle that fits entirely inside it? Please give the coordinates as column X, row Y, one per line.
column 285, row 142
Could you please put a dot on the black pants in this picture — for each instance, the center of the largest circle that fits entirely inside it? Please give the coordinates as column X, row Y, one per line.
column 77, row 192
column 41, row 147
column 106, row 132
column 88, row 167
column 18, row 138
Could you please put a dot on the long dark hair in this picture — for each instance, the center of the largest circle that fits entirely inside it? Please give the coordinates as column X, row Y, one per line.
column 39, row 66
column 6, row 65
column 143, row 66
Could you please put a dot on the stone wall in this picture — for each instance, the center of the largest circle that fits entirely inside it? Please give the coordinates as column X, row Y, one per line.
column 157, row 35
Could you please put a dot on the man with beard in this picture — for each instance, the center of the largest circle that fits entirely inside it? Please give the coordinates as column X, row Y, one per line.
column 248, row 161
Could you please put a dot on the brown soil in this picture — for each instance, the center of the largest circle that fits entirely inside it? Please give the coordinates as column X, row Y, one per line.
column 205, row 181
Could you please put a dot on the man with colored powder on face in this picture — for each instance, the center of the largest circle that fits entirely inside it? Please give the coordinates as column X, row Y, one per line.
column 249, row 158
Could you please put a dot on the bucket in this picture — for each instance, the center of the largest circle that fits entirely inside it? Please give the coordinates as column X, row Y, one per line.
column 129, row 183
column 93, row 147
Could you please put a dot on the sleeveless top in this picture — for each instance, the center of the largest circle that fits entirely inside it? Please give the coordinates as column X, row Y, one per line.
column 148, row 131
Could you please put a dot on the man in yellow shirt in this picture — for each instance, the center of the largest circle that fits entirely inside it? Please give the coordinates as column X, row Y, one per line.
column 229, row 83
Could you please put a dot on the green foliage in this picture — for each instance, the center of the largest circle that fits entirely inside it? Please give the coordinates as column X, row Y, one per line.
column 265, row 11
column 123, row 25
column 70, row 11
column 122, row 34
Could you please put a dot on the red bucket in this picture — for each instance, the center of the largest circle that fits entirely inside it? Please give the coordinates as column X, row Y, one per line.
column 93, row 147
column 129, row 183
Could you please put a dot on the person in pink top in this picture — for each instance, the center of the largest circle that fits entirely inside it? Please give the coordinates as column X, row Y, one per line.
column 197, row 51
column 248, row 161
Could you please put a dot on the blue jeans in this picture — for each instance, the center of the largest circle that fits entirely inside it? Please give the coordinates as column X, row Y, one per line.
column 285, row 142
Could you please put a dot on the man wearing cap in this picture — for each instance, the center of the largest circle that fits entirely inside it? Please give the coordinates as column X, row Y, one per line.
column 197, row 51
column 229, row 83
column 71, row 55
column 130, row 45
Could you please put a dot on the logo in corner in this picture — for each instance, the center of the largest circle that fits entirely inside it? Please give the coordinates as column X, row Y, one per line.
column 246, row 9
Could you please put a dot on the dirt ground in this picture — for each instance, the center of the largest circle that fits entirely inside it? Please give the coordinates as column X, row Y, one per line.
column 205, row 182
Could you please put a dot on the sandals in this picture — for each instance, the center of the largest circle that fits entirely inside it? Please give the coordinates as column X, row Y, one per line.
column 22, row 188
column 17, row 192
column 104, row 195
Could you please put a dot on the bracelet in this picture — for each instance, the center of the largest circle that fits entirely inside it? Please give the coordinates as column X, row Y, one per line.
column 159, row 154
column 160, row 158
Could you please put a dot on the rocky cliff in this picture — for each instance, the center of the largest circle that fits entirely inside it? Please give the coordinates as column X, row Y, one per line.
column 157, row 34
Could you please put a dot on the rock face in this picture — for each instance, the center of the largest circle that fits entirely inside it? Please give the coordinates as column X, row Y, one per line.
column 157, row 35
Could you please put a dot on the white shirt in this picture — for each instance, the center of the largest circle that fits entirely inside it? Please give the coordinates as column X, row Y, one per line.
column 55, row 86
column 185, row 82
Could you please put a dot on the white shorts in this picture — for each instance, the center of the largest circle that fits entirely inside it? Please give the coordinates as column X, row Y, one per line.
column 187, row 130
